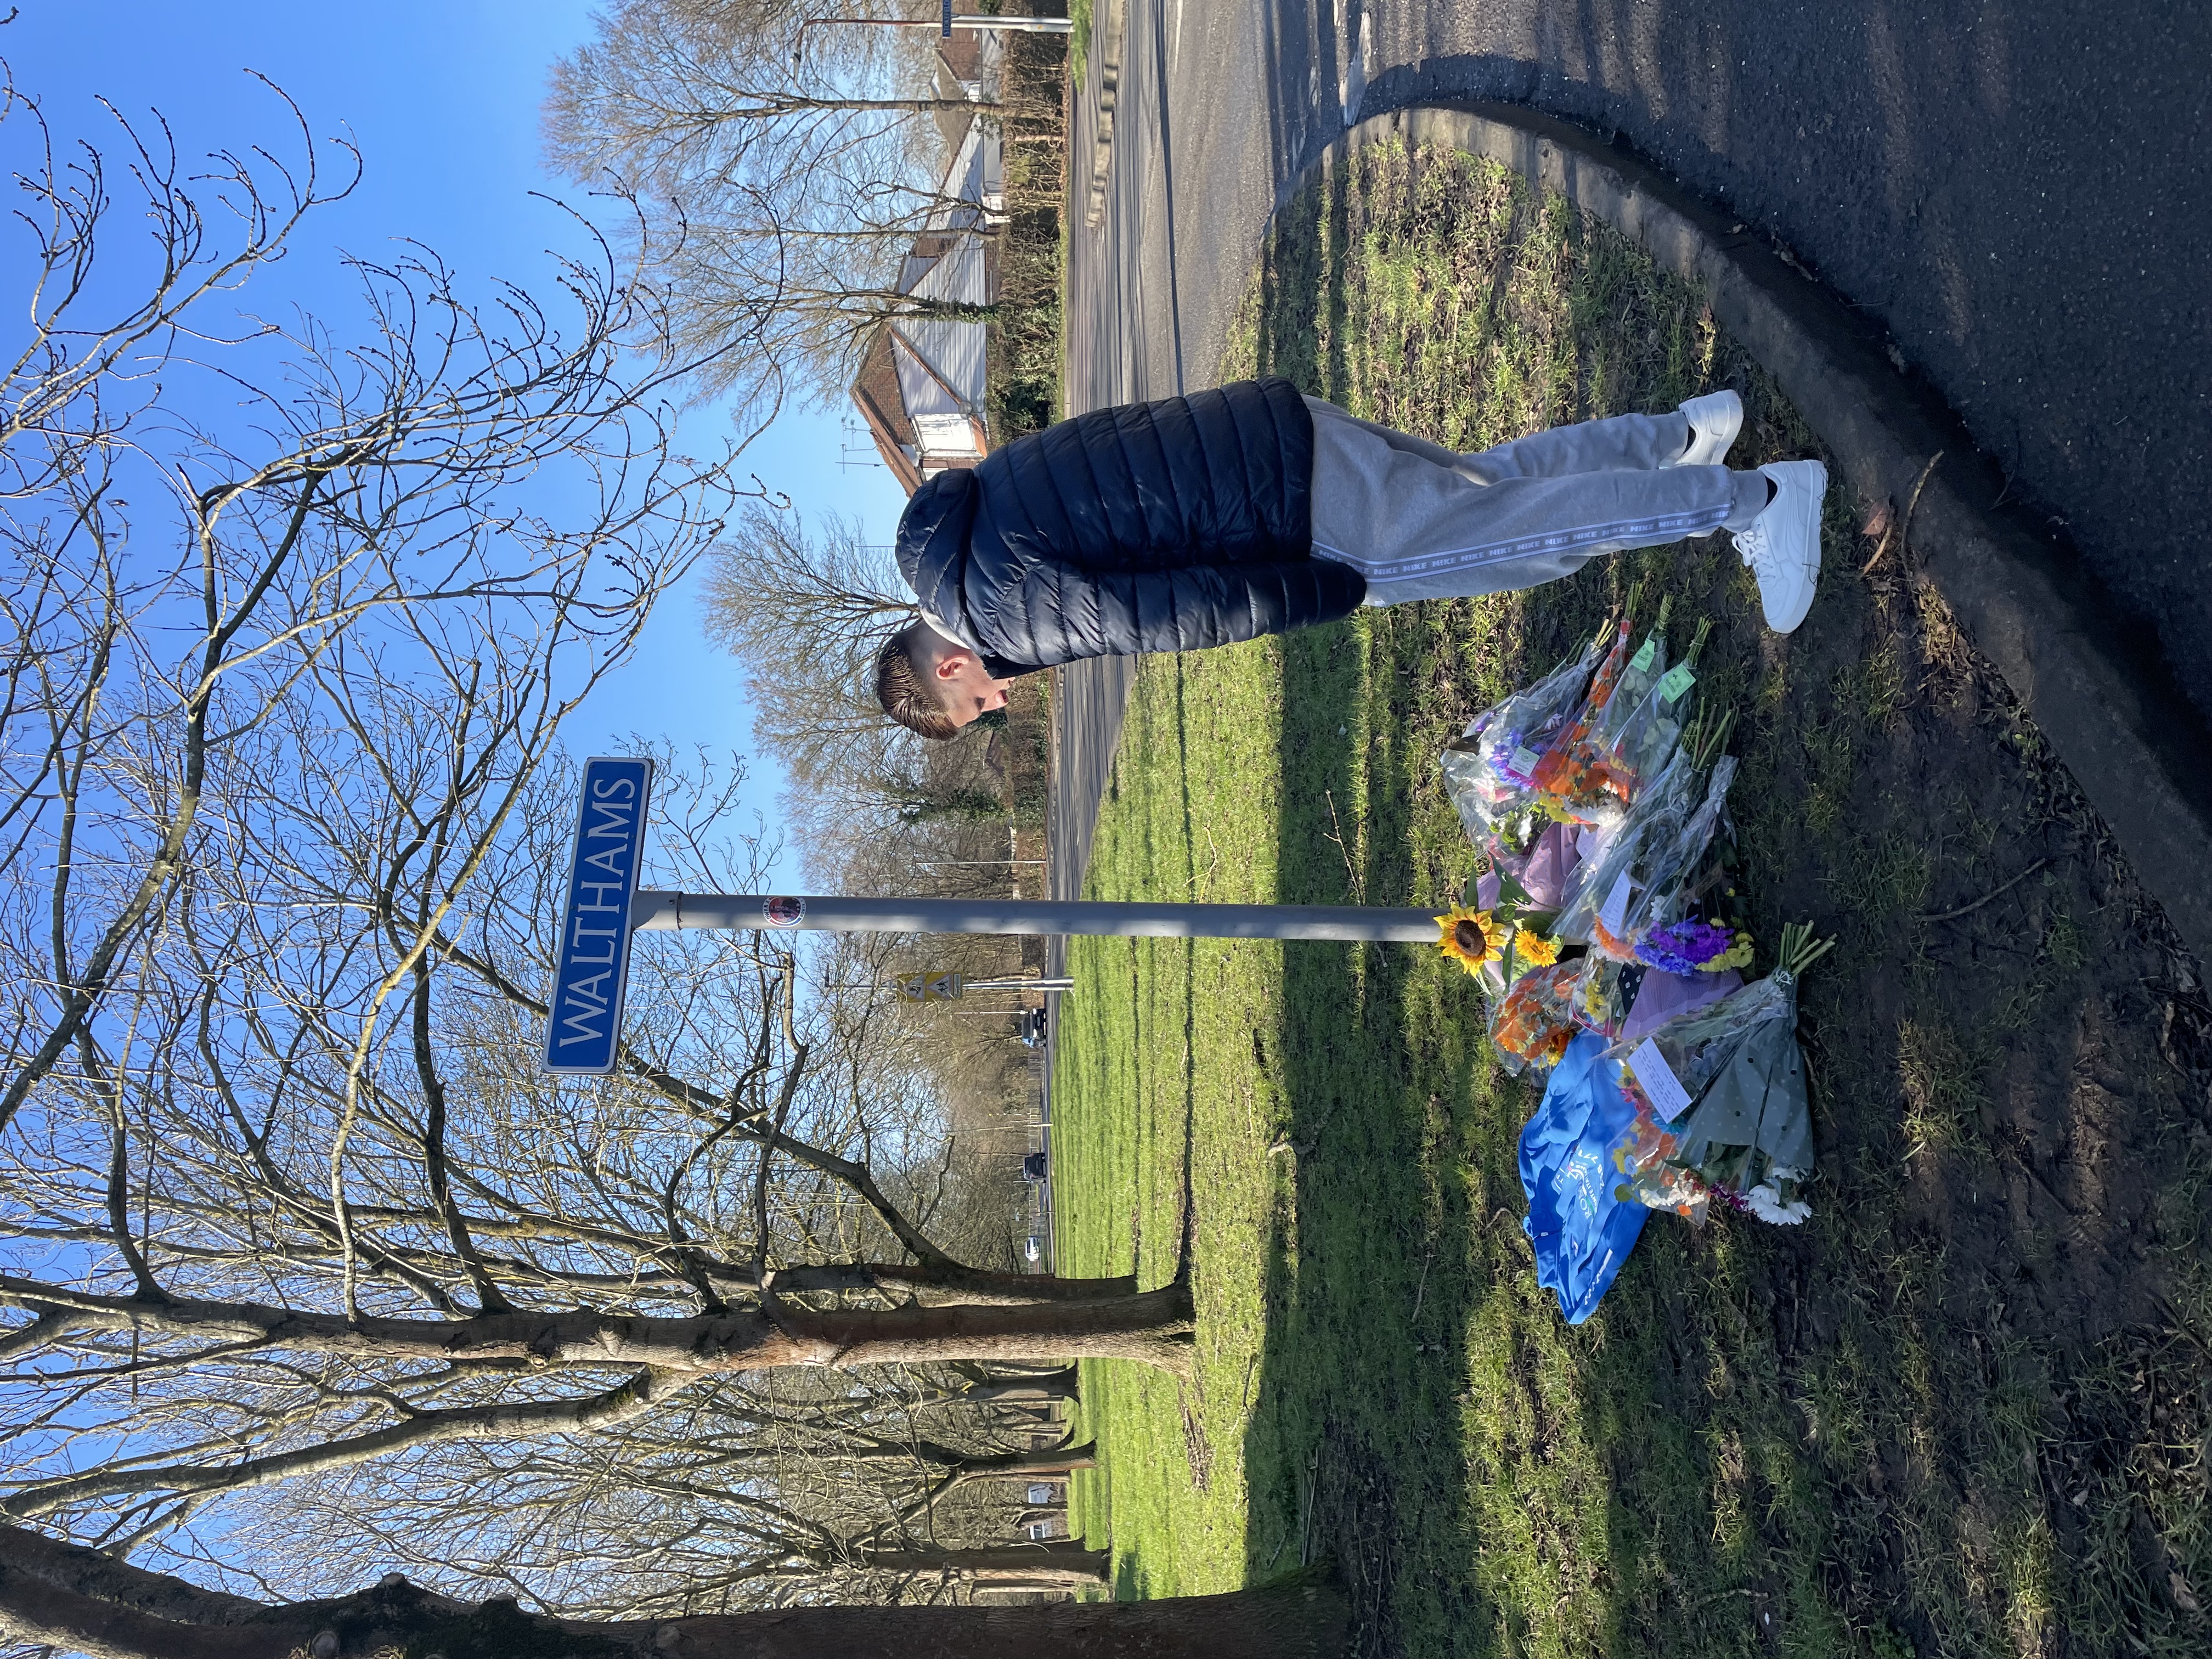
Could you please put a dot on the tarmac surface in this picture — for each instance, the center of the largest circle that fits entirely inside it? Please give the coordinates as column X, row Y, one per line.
column 2012, row 191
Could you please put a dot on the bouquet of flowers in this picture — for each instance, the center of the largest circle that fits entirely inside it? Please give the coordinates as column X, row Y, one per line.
column 1644, row 737
column 1602, row 993
column 1648, row 867
column 1667, row 874
column 1595, row 906
column 1720, row 1101
column 1497, row 945
column 1693, row 946
column 1490, row 770
column 1570, row 777
column 1640, row 1157
column 1644, row 669
column 1534, row 1023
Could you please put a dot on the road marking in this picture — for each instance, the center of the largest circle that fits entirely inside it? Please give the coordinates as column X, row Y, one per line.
column 1174, row 42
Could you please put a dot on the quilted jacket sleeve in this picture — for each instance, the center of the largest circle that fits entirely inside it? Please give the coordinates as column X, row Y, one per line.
column 1062, row 613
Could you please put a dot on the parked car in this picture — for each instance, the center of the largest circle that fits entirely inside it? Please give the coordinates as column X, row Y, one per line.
column 1033, row 1249
column 1035, row 1166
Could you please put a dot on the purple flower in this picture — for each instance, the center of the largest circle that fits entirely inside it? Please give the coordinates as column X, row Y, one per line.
column 1682, row 947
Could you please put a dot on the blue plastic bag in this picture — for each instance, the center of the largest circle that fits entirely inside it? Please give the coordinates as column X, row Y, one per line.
column 1582, row 1231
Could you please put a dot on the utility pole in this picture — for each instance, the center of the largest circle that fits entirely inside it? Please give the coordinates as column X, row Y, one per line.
column 944, row 24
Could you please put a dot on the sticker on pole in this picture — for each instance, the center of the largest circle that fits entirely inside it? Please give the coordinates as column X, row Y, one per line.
column 583, row 1031
column 783, row 912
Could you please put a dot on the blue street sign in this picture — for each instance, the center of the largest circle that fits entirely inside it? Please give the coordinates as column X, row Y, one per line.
column 946, row 30
column 584, row 1029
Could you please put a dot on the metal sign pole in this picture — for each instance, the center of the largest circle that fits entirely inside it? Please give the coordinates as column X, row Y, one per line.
column 656, row 911
column 604, row 910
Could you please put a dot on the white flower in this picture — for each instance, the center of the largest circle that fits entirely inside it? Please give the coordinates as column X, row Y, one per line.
column 1766, row 1201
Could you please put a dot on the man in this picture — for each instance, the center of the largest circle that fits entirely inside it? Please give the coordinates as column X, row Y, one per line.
column 1248, row 510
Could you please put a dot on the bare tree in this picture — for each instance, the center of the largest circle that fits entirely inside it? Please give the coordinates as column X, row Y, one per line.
column 284, row 1195
column 79, row 1599
column 785, row 192
column 806, row 611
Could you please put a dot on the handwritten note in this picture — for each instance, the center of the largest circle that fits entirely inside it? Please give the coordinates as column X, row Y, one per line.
column 1660, row 1086
column 1615, row 911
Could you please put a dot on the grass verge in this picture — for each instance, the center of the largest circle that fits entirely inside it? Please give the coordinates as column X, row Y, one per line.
column 1080, row 12
column 1962, row 1411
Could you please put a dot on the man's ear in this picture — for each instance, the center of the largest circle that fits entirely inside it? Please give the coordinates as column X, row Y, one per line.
column 951, row 663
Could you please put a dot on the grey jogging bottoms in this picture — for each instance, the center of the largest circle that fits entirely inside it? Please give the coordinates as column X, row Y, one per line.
column 1421, row 522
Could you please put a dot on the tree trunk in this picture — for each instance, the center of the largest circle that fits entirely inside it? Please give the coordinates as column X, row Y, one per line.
column 1152, row 1328
column 940, row 1284
column 1051, row 1385
column 980, row 1284
column 72, row 1597
column 1058, row 1460
column 1063, row 1561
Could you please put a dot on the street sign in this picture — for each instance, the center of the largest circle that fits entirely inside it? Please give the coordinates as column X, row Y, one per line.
column 931, row 987
column 583, row 1031
column 945, row 29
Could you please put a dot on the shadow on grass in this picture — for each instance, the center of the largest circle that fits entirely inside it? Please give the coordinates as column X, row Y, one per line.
column 1964, row 1410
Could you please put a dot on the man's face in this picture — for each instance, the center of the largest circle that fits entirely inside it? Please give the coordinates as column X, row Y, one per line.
column 964, row 689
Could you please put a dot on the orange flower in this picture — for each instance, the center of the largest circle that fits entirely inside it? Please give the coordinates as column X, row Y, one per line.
column 1618, row 949
column 1470, row 937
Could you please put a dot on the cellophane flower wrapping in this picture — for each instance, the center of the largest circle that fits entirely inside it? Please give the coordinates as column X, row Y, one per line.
column 1648, row 832
column 1668, row 871
column 1597, row 999
column 1721, row 1105
column 1533, row 1022
column 1640, row 1158
column 1644, row 671
column 1647, row 738
column 1489, row 772
column 1570, row 777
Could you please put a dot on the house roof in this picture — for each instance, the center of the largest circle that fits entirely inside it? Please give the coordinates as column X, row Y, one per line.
column 875, row 391
column 923, row 381
column 967, row 67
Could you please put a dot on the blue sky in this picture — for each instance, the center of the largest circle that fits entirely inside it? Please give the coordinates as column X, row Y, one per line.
column 442, row 99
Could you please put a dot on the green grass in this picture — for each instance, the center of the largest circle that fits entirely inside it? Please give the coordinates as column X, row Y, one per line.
column 1078, row 45
column 1963, row 1411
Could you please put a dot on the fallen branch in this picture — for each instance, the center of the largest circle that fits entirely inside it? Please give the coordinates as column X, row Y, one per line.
column 1898, row 530
column 1994, row 892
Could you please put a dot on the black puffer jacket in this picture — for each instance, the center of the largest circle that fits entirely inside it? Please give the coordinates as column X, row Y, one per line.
column 1164, row 526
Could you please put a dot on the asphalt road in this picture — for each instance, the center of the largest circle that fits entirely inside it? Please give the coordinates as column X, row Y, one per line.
column 2014, row 192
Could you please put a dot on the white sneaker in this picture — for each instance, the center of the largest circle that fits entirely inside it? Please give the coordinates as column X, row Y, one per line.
column 1781, row 545
column 1715, row 419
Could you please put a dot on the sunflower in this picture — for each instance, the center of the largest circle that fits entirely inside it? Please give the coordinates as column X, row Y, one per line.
column 1534, row 950
column 1470, row 937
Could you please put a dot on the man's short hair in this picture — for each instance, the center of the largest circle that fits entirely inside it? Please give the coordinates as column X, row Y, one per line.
column 907, row 691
